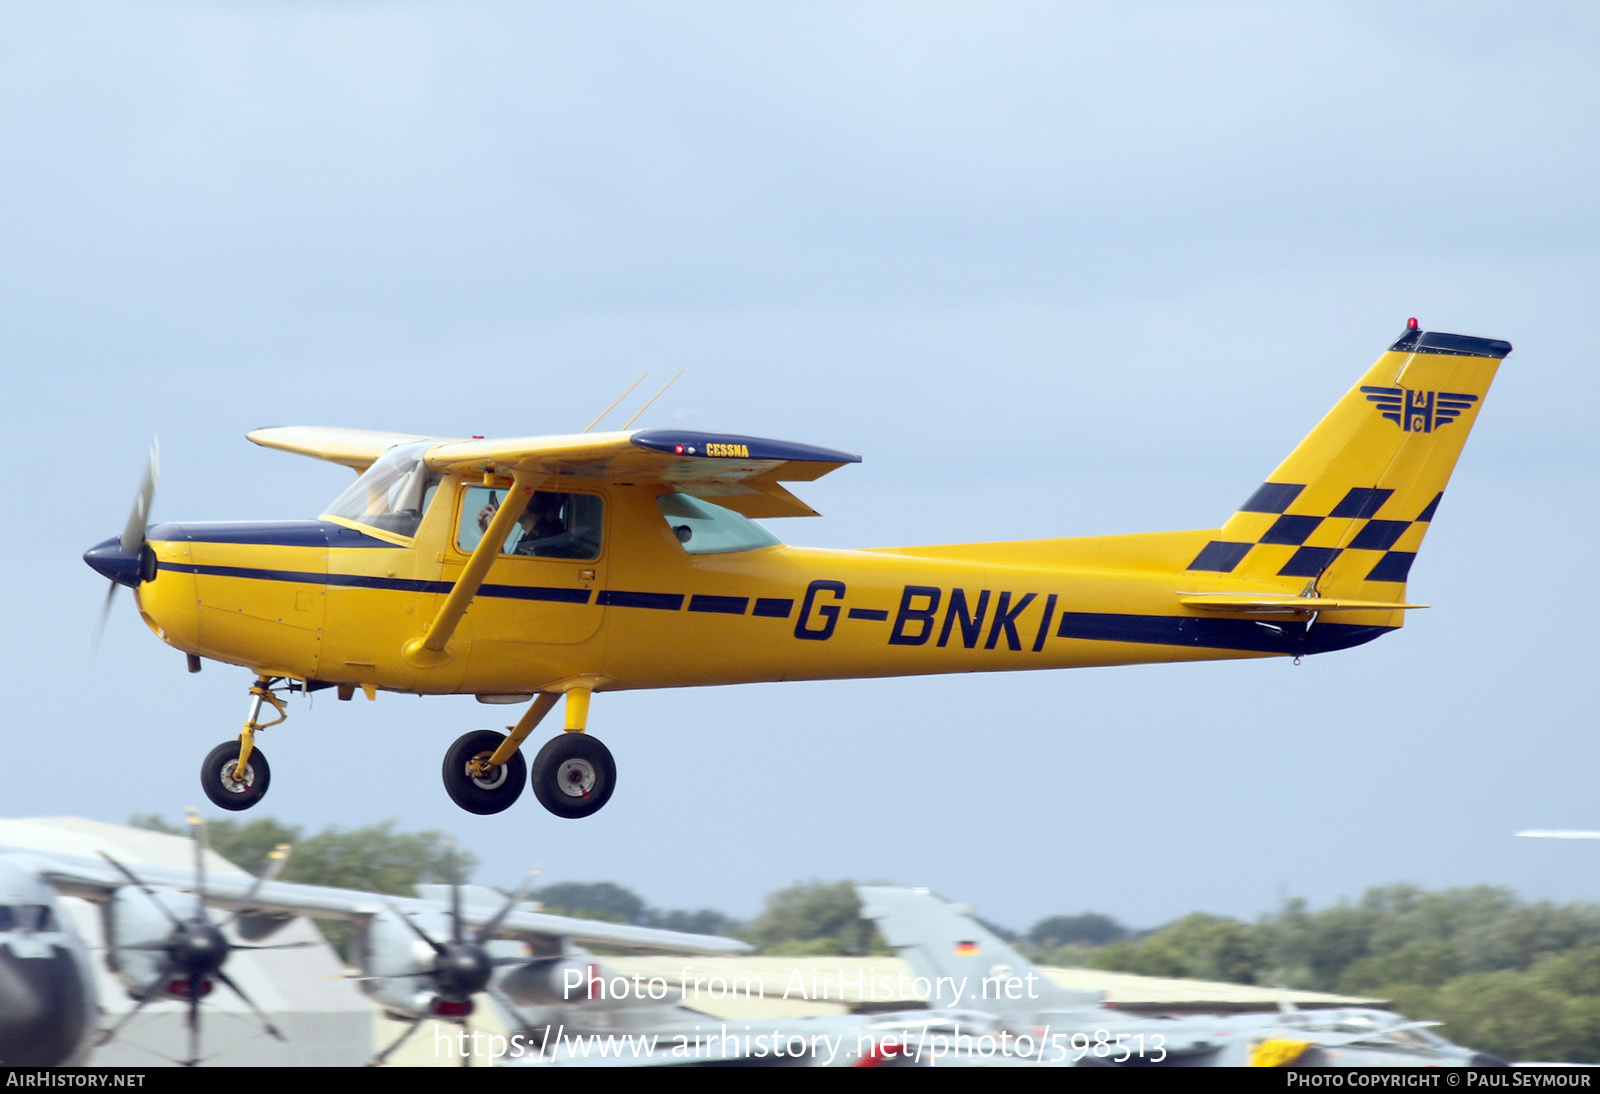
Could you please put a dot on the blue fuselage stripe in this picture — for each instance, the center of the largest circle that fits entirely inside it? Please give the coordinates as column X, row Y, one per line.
column 394, row 584
column 719, row 605
column 627, row 598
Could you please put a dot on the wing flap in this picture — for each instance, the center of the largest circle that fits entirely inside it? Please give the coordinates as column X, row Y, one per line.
column 766, row 500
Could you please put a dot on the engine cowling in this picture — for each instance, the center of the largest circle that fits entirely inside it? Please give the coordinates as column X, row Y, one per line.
column 396, row 964
column 155, row 951
column 551, row 982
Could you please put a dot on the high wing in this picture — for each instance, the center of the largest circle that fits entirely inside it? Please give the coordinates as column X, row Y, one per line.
column 354, row 448
column 93, row 880
column 735, row 471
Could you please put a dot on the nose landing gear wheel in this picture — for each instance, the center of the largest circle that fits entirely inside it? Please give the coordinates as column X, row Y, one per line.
column 225, row 791
column 492, row 792
column 573, row 775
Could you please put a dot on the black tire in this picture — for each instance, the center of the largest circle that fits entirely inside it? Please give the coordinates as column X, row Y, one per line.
column 574, row 775
column 483, row 796
column 216, row 777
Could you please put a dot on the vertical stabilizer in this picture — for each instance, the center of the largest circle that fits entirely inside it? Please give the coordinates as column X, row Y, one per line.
column 1345, row 514
column 969, row 967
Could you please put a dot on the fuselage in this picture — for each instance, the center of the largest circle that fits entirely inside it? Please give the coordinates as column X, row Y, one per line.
column 335, row 600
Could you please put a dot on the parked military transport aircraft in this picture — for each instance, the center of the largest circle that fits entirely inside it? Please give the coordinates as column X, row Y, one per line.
column 418, row 957
column 48, row 1006
column 605, row 561
column 970, row 966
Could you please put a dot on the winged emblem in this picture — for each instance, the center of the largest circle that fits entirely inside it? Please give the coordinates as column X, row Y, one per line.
column 1418, row 411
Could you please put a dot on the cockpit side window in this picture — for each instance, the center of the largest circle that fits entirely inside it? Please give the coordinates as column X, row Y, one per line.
column 37, row 917
column 393, row 493
column 27, row 917
column 554, row 525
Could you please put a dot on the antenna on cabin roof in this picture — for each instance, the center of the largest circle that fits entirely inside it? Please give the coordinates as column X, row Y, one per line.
column 619, row 399
column 653, row 398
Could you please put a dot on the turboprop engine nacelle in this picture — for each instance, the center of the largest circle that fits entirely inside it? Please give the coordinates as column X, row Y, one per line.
column 397, row 963
column 134, row 927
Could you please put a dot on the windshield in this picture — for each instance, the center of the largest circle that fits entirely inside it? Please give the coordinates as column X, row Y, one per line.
column 392, row 493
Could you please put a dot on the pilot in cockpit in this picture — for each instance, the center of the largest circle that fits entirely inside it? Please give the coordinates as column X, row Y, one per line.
column 544, row 530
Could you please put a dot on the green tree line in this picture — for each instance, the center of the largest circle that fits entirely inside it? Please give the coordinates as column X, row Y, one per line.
column 1519, row 980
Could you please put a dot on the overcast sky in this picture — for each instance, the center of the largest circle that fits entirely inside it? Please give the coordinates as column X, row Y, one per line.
column 1053, row 269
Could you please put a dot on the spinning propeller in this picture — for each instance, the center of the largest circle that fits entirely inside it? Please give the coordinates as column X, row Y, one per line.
column 127, row 559
column 462, row 966
column 195, row 950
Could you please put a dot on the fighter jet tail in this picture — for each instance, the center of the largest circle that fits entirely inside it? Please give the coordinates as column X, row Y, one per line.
column 965, row 964
column 1344, row 515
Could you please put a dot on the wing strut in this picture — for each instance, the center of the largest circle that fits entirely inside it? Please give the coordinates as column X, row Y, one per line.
column 429, row 651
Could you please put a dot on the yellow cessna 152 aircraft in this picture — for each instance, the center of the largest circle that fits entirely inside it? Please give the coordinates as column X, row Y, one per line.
column 528, row 569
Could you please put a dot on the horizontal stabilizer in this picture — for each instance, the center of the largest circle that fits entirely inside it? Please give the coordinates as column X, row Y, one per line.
column 1283, row 605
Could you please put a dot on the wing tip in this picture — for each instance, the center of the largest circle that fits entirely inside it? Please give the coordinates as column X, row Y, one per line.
column 698, row 444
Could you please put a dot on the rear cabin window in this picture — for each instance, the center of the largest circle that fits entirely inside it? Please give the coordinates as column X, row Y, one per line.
column 706, row 529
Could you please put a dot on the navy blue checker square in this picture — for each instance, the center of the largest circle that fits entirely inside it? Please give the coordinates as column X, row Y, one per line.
column 1291, row 530
column 1220, row 556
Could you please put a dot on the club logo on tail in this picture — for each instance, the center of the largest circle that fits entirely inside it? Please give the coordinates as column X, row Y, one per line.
column 1418, row 411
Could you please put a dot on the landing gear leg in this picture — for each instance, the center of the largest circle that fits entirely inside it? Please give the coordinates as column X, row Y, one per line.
column 235, row 775
column 574, row 774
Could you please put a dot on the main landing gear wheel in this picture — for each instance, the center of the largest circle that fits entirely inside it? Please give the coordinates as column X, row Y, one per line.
column 573, row 775
column 225, row 791
column 492, row 792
